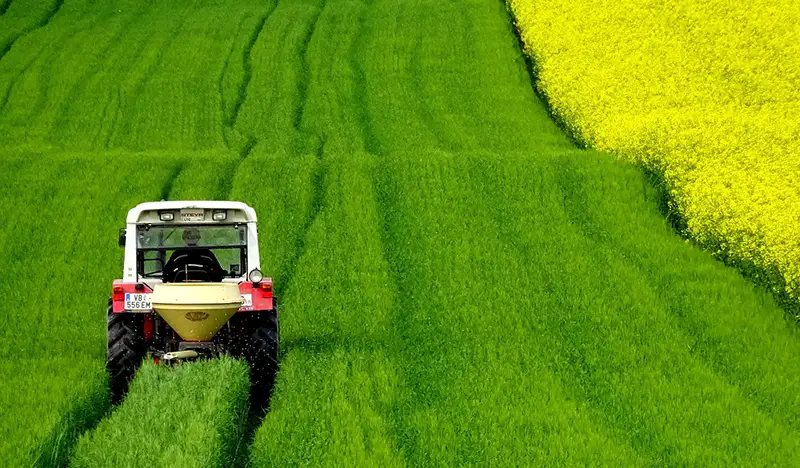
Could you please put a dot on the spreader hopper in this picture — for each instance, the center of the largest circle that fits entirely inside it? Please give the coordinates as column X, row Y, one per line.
column 196, row 311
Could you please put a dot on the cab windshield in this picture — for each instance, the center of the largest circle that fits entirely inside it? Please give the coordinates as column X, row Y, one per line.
column 219, row 251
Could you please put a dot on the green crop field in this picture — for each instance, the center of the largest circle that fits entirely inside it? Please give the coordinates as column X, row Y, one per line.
column 205, row 404
column 459, row 283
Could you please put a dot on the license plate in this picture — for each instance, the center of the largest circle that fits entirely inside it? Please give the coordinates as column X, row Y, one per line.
column 248, row 300
column 137, row 301
column 188, row 216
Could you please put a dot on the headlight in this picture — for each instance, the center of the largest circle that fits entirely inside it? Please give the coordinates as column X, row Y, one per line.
column 219, row 215
column 255, row 276
column 166, row 215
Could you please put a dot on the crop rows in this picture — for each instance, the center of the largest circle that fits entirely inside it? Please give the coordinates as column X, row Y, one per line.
column 702, row 92
column 206, row 404
column 458, row 283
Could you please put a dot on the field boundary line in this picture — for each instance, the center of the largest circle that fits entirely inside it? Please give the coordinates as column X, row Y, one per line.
column 532, row 70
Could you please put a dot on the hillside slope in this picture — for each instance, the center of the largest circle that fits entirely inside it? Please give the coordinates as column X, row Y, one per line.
column 459, row 284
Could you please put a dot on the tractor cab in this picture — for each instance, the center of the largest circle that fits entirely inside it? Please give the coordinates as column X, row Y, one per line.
column 173, row 242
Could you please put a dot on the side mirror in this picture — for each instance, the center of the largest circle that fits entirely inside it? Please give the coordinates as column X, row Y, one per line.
column 122, row 237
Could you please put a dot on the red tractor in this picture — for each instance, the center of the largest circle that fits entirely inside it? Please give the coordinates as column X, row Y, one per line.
column 192, row 288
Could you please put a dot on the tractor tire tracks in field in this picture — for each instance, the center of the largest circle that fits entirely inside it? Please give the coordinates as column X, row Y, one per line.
column 399, row 434
column 306, row 140
column 243, row 145
column 17, row 76
column 97, row 64
column 136, row 93
column 230, row 120
column 44, row 22
column 4, row 6
column 170, row 182
column 303, row 139
column 425, row 109
column 360, row 88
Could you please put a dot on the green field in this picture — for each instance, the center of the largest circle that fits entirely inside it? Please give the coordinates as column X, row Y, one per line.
column 206, row 406
column 459, row 284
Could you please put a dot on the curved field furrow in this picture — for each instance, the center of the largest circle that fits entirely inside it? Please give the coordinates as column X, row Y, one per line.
column 26, row 21
column 245, row 143
column 4, row 6
column 459, row 284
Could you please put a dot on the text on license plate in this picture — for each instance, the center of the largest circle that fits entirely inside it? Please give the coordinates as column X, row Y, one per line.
column 138, row 301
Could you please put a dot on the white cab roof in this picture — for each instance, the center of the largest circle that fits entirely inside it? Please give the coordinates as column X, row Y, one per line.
column 134, row 215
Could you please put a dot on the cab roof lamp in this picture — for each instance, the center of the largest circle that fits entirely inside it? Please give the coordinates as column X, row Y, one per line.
column 219, row 215
column 166, row 215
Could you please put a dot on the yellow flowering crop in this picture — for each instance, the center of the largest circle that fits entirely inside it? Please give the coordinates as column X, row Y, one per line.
column 707, row 92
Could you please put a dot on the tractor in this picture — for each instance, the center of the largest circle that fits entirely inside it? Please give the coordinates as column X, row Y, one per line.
column 192, row 288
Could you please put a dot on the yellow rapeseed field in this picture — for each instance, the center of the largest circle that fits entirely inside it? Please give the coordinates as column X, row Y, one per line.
column 704, row 92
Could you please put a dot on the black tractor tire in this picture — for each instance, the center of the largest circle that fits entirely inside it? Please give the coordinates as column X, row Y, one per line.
column 255, row 337
column 126, row 350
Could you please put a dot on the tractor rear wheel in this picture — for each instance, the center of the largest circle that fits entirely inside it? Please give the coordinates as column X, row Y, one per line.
column 255, row 337
column 126, row 349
